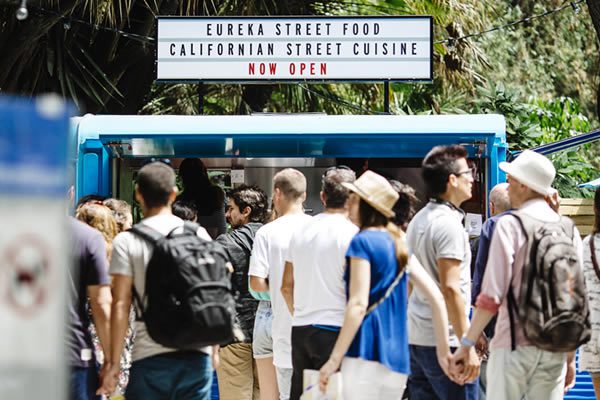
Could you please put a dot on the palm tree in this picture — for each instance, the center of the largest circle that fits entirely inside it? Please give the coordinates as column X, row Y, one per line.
column 63, row 47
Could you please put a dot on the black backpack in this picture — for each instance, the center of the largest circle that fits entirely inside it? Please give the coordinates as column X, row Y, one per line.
column 188, row 301
column 552, row 307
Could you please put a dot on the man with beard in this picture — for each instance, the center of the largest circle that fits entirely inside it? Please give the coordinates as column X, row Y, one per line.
column 246, row 212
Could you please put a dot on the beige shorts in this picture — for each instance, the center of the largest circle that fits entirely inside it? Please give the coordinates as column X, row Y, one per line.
column 237, row 375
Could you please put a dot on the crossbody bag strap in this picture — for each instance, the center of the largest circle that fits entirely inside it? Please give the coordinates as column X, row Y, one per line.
column 594, row 258
column 387, row 293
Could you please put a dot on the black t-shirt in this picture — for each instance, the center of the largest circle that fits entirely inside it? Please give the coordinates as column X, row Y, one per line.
column 90, row 267
column 238, row 245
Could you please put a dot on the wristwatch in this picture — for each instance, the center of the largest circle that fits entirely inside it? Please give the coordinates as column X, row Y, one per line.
column 466, row 342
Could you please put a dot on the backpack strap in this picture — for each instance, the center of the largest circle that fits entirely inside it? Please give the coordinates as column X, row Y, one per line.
column 145, row 232
column 152, row 236
column 594, row 258
column 190, row 227
column 512, row 306
column 510, row 297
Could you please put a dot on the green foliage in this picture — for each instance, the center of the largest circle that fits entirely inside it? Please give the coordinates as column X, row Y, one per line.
column 559, row 119
column 536, row 122
column 547, row 57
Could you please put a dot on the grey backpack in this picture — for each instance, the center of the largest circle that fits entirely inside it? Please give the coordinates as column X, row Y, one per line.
column 552, row 306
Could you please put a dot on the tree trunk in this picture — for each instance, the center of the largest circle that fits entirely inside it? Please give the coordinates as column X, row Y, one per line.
column 594, row 10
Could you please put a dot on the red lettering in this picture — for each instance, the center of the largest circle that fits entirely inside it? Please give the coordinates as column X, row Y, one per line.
column 323, row 68
column 272, row 68
column 302, row 68
column 312, row 68
column 292, row 69
column 262, row 68
column 251, row 70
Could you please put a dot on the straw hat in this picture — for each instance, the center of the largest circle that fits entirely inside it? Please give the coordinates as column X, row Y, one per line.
column 375, row 190
column 532, row 170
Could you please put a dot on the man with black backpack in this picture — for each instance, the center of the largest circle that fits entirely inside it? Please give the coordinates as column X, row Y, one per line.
column 180, row 285
column 534, row 282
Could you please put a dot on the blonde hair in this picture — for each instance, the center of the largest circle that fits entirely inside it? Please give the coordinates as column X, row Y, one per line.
column 401, row 249
column 121, row 210
column 100, row 217
column 291, row 182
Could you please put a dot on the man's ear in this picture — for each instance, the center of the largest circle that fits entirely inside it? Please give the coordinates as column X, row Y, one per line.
column 246, row 211
column 173, row 195
column 452, row 181
column 138, row 196
column 323, row 197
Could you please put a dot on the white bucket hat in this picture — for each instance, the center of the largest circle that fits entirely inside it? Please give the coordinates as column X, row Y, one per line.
column 375, row 190
column 532, row 170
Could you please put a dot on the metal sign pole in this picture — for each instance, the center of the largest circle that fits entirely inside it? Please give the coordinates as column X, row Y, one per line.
column 200, row 98
column 386, row 96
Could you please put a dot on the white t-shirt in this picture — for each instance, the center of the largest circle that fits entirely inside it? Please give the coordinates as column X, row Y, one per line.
column 318, row 253
column 130, row 256
column 268, row 261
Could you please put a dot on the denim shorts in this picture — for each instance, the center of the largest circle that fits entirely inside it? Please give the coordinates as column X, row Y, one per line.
column 262, row 340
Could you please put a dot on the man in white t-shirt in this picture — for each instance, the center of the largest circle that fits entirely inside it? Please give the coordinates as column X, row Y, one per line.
column 267, row 264
column 313, row 281
column 156, row 371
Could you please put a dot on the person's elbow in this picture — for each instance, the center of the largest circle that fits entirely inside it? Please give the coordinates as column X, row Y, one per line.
column 358, row 306
column 101, row 298
column 287, row 290
column 436, row 297
column 258, row 284
column 450, row 290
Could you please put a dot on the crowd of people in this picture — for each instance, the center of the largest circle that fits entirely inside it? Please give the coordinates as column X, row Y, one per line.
column 366, row 300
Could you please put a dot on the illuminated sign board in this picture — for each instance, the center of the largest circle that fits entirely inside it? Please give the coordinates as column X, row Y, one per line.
column 243, row 49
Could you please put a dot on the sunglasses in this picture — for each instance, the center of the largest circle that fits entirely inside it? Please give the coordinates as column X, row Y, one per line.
column 471, row 171
column 336, row 168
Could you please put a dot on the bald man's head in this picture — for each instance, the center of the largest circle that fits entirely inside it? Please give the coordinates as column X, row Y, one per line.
column 499, row 201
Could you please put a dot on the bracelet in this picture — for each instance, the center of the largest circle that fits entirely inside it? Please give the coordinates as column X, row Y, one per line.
column 466, row 342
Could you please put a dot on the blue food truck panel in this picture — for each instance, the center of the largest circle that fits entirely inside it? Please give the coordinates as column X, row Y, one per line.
column 99, row 138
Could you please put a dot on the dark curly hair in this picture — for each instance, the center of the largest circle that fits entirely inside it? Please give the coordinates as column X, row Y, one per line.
column 253, row 197
column 405, row 206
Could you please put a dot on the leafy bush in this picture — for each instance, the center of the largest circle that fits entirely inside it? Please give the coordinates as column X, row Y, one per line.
column 536, row 122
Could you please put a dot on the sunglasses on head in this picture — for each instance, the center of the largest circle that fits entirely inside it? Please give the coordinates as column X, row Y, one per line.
column 336, row 168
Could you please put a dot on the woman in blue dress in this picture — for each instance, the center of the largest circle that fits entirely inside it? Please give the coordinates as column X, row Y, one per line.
column 372, row 347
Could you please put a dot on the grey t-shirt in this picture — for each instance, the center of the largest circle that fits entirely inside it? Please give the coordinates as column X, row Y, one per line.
column 436, row 232
column 130, row 256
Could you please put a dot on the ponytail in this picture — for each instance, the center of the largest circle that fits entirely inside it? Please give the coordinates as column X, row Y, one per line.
column 400, row 245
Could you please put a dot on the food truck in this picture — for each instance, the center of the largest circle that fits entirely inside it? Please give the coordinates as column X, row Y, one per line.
column 110, row 149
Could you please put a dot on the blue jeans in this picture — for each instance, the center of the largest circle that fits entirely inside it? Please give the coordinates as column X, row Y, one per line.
column 427, row 381
column 171, row 376
column 84, row 383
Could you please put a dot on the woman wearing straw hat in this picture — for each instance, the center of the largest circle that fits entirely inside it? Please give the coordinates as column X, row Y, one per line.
column 372, row 347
